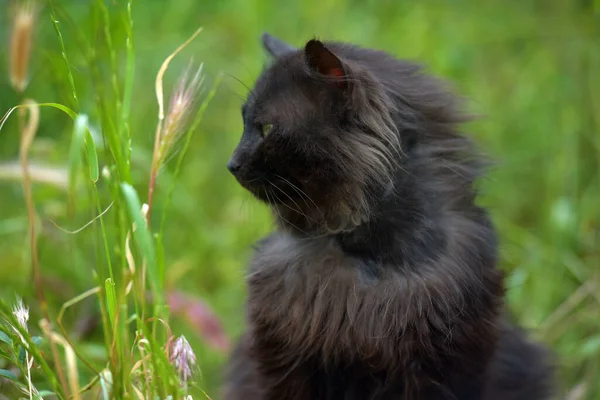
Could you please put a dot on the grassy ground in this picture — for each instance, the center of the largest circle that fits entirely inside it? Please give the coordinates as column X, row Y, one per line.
column 530, row 68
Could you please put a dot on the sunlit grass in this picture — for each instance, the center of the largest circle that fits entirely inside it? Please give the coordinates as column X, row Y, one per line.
column 528, row 67
column 140, row 360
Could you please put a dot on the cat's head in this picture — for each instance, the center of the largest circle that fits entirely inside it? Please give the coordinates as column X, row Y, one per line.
column 319, row 144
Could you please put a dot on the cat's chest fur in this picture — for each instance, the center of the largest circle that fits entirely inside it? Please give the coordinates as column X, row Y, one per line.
column 292, row 277
column 308, row 294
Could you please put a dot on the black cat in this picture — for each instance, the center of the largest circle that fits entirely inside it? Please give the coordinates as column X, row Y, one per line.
column 381, row 280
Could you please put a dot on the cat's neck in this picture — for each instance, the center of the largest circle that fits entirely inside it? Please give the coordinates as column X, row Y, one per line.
column 405, row 229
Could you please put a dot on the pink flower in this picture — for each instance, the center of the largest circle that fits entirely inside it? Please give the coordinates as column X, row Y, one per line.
column 182, row 357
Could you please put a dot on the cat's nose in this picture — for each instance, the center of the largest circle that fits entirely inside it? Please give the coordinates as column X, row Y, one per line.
column 233, row 166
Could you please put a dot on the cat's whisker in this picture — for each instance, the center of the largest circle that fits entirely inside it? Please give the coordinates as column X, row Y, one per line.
column 249, row 91
column 274, row 207
column 229, row 89
column 301, row 192
column 299, row 210
column 240, row 82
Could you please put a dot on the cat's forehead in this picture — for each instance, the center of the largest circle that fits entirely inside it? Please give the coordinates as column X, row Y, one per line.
column 284, row 85
column 282, row 74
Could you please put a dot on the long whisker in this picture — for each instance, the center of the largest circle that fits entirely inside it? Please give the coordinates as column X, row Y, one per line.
column 279, row 213
column 286, row 205
column 309, row 236
column 299, row 210
column 239, row 81
column 257, row 178
column 301, row 192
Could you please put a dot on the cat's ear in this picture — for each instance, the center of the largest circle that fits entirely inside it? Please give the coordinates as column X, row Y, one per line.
column 320, row 59
column 276, row 47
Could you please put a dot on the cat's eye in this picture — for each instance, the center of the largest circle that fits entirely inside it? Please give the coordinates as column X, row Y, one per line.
column 266, row 129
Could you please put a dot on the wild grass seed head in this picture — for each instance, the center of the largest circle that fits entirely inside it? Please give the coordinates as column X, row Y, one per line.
column 21, row 313
column 21, row 40
column 183, row 358
column 182, row 106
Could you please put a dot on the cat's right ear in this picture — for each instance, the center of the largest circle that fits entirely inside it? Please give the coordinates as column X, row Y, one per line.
column 276, row 47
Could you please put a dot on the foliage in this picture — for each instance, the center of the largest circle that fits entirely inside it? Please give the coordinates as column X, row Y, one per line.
column 528, row 67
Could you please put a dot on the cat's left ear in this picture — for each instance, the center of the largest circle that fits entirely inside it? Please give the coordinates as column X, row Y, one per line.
column 320, row 59
column 276, row 47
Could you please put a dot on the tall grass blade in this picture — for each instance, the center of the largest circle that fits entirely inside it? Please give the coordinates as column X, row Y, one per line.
column 77, row 142
column 129, row 78
column 8, row 375
column 60, row 107
column 111, row 299
column 142, row 233
column 92, row 157
column 5, row 338
column 55, row 23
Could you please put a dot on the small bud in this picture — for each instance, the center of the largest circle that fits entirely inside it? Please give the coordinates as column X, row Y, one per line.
column 182, row 357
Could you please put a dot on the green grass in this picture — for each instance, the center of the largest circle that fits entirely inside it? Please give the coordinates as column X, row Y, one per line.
column 530, row 68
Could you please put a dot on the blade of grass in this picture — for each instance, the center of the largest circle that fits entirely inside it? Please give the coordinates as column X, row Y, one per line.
column 106, row 327
column 142, row 233
column 129, row 77
column 108, row 100
column 111, row 299
column 92, row 157
column 77, row 141
column 111, row 51
column 118, row 333
column 55, row 22
column 125, row 358
column 65, row 109
column 103, row 235
column 8, row 375
column 5, row 338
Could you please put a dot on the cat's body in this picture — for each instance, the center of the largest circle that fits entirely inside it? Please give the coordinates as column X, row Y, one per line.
column 381, row 281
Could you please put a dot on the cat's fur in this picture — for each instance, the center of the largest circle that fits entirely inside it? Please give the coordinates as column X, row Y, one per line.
column 381, row 280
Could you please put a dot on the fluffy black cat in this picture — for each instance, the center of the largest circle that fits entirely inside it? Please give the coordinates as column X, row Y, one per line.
column 380, row 281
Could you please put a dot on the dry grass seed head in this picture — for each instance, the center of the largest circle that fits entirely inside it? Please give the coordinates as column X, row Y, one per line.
column 21, row 43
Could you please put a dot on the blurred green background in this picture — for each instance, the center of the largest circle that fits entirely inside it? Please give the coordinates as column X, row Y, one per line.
column 529, row 68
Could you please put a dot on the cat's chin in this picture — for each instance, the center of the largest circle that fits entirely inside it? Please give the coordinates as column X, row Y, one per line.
column 262, row 194
column 274, row 192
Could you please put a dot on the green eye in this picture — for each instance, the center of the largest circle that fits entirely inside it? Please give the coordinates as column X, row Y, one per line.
column 266, row 129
